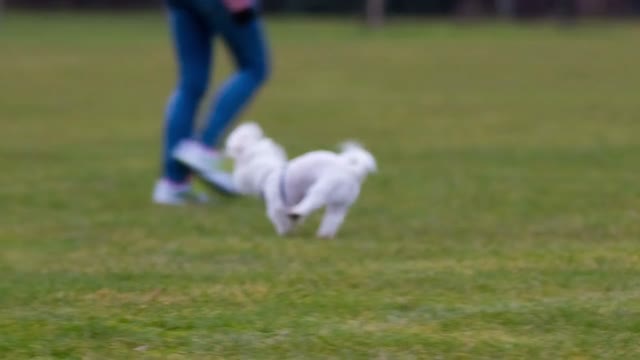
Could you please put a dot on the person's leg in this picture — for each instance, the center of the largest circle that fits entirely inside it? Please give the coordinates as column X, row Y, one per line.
column 245, row 39
column 192, row 39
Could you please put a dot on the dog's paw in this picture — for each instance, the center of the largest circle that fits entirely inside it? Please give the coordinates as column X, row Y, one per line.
column 326, row 236
column 284, row 229
column 283, row 233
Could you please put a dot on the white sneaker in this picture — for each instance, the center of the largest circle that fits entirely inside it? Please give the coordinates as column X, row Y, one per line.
column 206, row 164
column 167, row 193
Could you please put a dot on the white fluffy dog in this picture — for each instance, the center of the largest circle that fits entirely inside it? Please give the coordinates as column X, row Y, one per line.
column 292, row 190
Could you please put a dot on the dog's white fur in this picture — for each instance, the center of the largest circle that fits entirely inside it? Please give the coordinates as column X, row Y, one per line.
column 309, row 182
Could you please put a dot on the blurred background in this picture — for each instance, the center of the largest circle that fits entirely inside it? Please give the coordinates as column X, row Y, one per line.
column 507, row 8
column 503, row 224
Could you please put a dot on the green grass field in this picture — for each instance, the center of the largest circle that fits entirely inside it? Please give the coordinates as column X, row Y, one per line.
column 505, row 221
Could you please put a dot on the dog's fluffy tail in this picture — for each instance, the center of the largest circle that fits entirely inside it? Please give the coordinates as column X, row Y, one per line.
column 358, row 158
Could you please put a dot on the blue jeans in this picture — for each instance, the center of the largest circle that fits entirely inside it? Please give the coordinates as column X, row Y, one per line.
column 194, row 25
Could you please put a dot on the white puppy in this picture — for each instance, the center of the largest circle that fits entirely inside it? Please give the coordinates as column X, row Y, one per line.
column 292, row 190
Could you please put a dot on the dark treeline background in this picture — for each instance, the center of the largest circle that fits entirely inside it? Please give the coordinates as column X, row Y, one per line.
column 519, row 8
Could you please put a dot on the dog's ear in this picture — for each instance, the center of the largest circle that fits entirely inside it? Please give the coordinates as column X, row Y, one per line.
column 243, row 137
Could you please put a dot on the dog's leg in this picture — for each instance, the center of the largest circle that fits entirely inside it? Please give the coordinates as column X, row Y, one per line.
column 280, row 220
column 276, row 210
column 315, row 198
column 333, row 218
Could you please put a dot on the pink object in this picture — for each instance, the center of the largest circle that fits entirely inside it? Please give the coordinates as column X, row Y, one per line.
column 237, row 5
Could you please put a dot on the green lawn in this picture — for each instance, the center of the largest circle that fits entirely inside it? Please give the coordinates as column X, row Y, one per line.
column 505, row 221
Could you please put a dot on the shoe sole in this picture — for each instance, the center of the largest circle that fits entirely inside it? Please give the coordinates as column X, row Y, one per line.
column 221, row 189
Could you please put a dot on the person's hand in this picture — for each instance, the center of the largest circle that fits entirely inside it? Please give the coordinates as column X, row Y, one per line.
column 237, row 6
column 242, row 11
